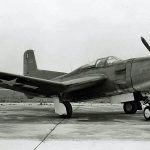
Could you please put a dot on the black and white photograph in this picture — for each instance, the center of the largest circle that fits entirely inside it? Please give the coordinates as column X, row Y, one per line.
column 74, row 74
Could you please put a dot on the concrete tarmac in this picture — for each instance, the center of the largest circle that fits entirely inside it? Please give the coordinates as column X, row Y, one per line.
column 89, row 122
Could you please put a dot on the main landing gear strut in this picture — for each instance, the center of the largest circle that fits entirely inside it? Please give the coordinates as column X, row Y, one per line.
column 63, row 108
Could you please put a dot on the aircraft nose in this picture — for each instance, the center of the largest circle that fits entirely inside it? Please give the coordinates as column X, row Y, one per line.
column 140, row 74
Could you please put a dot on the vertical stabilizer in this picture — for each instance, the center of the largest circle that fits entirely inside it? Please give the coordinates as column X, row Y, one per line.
column 30, row 66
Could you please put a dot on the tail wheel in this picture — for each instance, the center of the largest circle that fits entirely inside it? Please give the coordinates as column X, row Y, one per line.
column 130, row 107
column 147, row 113
column 68, row 110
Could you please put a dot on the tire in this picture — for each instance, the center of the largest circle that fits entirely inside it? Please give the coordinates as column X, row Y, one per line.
column 130, row 107
column 147, row 113
column 68, row 110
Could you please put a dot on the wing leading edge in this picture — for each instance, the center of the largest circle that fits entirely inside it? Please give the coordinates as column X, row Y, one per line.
column 46, row 88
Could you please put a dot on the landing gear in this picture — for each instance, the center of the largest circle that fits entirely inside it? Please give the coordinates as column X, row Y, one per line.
column 130, row 107
column 147, row 108
column 63, row 108
column 68, row 110
column 147, row 113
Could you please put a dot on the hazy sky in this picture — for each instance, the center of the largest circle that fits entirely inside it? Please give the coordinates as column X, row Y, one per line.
column 68, row 33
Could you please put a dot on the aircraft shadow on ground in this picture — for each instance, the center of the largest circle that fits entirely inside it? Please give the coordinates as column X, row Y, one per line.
column 105, row 116
column 47, row 117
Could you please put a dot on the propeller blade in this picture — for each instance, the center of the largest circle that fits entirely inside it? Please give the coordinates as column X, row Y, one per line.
column 145, row 43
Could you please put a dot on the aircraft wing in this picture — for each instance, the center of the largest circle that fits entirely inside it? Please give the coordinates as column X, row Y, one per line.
column 46, row 88
column 30, row 85
column 84, row 82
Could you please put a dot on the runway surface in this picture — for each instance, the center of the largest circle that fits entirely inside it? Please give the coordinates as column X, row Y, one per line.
column 34, row 122
column 89, row 121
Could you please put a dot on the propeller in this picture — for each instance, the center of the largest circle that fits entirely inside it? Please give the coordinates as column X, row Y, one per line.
column 145, row 43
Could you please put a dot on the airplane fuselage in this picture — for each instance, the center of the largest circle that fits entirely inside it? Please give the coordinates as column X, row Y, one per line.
column 125, row 76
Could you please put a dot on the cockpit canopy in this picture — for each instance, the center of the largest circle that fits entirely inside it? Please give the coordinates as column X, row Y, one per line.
column 102, row 62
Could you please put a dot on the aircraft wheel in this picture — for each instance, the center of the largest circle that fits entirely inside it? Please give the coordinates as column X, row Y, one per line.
column 68, row 110
column 147, row 113
column 130, row 107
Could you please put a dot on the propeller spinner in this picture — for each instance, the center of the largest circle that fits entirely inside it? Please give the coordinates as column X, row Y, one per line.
column 145, row 43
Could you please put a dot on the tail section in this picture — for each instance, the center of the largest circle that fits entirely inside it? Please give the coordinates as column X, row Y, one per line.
column 30, row 68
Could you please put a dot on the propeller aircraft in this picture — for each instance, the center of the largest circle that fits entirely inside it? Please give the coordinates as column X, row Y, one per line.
column 123, row 81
